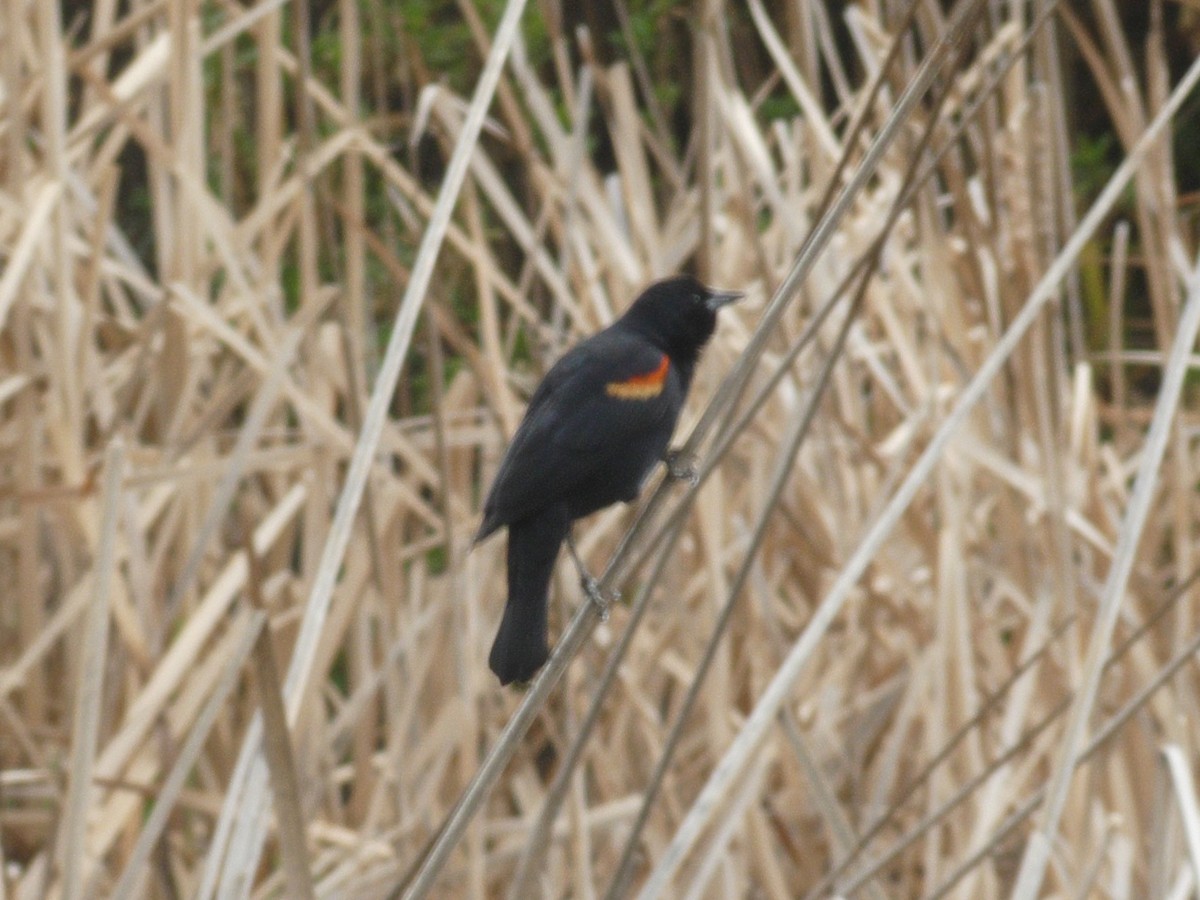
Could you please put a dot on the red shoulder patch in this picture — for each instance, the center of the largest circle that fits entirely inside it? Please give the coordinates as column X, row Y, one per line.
column 641, row 387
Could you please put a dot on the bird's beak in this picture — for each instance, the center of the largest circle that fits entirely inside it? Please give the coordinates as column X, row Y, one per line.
column 717, row 299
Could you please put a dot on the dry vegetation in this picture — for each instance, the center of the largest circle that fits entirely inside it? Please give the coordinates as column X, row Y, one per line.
column 946, row 538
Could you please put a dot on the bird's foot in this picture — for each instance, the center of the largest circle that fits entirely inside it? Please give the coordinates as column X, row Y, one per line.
column 604, row 600
column 590, row 584
column 682, row 465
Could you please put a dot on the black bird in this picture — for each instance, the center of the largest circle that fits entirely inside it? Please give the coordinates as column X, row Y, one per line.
column 595, row 427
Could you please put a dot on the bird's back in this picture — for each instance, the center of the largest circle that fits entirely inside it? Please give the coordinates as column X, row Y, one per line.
column 594, row 428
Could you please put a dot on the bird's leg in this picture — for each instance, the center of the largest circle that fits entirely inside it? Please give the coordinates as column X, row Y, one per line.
column 682, row 465
column 590, row 585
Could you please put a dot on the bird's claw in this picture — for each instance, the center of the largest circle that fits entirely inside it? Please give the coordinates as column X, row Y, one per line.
column 603, row 599
column 682, row 466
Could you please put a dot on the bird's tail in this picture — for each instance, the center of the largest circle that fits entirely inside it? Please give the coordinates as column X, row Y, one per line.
column 520, row 647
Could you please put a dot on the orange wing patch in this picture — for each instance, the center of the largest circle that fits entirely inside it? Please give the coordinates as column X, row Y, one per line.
column 641, row 387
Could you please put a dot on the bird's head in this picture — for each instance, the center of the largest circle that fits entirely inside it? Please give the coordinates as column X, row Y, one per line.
column 678, row 314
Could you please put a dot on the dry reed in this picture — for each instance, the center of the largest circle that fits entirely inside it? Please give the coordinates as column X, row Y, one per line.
column 924, row 627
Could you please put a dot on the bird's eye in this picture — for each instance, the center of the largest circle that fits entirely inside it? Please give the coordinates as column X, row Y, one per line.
column 697, row 298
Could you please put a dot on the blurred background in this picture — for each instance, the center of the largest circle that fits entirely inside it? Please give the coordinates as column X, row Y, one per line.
column 210, row 213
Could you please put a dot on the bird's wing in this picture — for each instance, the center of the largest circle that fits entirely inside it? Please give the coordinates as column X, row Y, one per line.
column 609, row 392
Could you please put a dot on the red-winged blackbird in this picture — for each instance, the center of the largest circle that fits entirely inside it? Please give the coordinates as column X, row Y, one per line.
column 595, row 427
